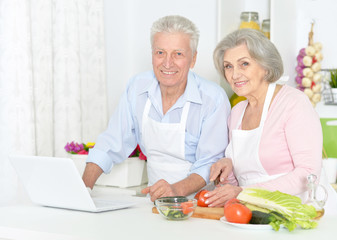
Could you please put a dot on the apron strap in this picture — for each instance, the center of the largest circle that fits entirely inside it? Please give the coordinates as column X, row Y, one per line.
column 147, row 107
column 267, row 101
column 146, row 113
column 184, row 114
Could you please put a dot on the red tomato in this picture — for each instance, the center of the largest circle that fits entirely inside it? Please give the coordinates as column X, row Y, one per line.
column 231, row 201
column 202, row 199
column 187, row 207
column 237, row 213
column 197, row 195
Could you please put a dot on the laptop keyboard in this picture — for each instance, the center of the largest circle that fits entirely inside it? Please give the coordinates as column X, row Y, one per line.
column 110, row 204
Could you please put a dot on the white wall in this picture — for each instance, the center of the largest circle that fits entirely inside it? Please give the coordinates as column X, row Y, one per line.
column 324, row 13
column 229, row 12
column 128, row 24
column 291, row 24
column 283, row 31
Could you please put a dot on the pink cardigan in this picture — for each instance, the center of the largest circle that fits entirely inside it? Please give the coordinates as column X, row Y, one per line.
column 291, row 140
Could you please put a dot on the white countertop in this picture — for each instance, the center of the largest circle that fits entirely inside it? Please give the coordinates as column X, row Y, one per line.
column 28, row 221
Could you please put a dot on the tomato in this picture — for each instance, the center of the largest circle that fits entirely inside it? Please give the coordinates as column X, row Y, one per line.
column 197, row 195
column 187, row 207
column 237, row 213
column 231, row 201
column 202, row 199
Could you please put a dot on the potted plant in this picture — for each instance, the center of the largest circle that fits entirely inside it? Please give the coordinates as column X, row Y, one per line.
column 129, row 173
column 333, row 78
column 333, row 84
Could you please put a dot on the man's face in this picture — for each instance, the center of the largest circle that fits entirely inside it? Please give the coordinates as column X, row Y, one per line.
column 172, row 58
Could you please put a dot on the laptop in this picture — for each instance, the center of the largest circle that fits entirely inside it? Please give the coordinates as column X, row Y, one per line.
column 56, row 182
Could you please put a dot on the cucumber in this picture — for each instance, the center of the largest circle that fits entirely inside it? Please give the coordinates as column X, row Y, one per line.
column 259, row 217
column 165, row 211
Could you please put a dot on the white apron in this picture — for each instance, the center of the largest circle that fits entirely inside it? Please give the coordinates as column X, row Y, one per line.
column 248, row 169
column 165, row 148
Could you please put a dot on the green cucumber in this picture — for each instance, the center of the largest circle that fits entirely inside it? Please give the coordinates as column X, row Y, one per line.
column 259, row 217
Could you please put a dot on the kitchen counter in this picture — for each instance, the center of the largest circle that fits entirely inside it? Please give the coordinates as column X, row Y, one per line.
column 28, row 221
column 326, row 111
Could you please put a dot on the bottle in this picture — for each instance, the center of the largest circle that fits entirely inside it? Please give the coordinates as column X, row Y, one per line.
column 312, row 195
column 266, row 28
column 250, row 20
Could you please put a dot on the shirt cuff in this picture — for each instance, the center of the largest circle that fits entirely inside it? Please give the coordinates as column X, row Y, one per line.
column 203, row 172
column 100, row 158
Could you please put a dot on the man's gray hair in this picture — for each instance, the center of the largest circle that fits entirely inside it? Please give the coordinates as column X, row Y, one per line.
column 260, row 48
column 175, row 24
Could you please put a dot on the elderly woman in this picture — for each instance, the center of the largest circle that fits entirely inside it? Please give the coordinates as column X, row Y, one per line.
column 275, row 135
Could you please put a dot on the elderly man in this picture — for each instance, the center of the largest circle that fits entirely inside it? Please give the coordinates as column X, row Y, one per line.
column 178, row 118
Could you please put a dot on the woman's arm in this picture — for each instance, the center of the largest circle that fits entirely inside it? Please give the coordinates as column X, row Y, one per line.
column 304, row 140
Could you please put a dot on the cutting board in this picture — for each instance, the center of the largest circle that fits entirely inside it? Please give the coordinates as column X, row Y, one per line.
column 203, row 212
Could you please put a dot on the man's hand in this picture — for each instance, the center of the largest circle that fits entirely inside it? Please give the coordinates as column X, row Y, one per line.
column 160, row 189
column 185, row 187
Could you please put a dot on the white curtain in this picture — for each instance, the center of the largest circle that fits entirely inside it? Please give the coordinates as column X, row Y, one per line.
column 52, row 79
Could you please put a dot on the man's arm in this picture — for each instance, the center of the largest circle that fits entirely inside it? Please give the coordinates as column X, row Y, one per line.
column 185, row 187
column 91, row 173
column 189, row 185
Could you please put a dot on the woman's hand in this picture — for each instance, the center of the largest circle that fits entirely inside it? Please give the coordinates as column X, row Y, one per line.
column 220, row 170
column 219, row 196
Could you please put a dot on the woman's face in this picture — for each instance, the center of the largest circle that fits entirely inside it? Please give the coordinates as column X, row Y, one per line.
column 243, row 73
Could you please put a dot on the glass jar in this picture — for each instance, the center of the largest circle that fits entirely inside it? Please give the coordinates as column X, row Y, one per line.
column 266, row 28
column 250, row 20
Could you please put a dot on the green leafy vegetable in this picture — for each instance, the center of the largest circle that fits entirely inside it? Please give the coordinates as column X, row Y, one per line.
column 333, row 79
column 284, row 208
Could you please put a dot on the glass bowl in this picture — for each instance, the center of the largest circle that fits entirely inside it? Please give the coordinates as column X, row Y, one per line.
column 175, row 208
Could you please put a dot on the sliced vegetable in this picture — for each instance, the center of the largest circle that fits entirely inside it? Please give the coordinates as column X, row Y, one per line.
column 187, row 207
column 172, row 213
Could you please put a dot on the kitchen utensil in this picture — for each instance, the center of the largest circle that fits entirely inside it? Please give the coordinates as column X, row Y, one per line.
column 175, row 208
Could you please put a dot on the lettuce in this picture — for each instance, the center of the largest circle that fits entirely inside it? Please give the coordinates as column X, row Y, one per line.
column 292, row 211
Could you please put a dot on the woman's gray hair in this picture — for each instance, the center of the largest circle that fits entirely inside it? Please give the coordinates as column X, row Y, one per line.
column 174, row 24
column 260, row 48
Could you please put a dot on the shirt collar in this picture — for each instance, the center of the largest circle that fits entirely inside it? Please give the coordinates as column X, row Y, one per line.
column 191, row 94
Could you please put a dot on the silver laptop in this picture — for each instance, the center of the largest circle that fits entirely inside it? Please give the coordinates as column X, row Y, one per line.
column 55, row 182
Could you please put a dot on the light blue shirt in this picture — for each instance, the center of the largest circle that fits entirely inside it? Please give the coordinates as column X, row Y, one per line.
column 206, row 135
